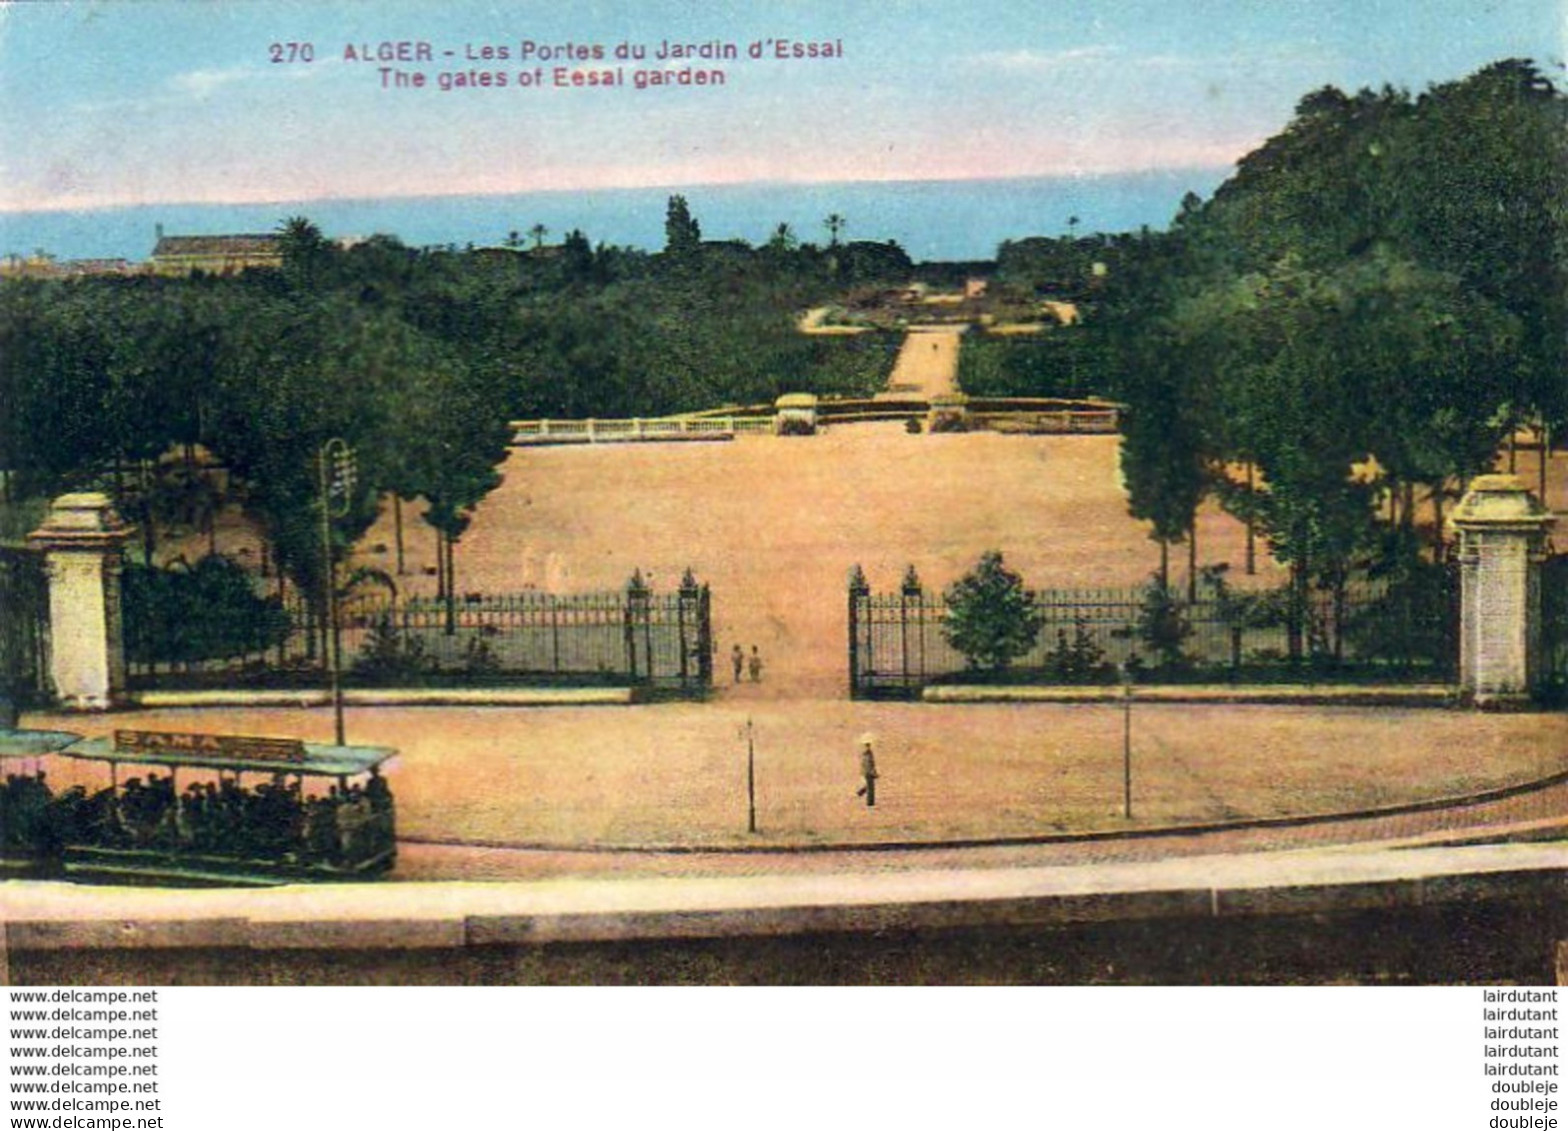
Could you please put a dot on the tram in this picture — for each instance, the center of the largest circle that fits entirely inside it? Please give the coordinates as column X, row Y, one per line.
column 186, row 808
column 28, row 815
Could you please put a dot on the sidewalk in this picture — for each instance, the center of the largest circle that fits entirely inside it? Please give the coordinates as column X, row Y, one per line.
column 59, row 916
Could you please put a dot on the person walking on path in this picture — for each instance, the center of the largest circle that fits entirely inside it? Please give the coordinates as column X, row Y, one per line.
column 755, row 665
column 737, row 661
column 868, row 770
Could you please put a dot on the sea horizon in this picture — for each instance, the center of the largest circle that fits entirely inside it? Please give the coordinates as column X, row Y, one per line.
column 932, row 220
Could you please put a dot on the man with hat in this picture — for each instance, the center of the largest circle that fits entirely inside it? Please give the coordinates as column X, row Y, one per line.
column 868, row 770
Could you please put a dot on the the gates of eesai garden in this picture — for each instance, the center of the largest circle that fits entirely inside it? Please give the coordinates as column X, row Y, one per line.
column 635, row 635
column 1364, row 631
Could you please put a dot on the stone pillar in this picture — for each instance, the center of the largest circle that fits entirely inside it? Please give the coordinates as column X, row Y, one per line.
column 83, row 539
column 795, row 414
column 949, row 412
column 1502, row 532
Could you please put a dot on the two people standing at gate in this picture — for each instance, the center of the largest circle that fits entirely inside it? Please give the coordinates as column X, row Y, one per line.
column 742, row 664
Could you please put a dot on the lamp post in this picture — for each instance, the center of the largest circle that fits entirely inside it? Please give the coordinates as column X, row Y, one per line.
column 1126, row 673
column 336, row 475
column 751, row 780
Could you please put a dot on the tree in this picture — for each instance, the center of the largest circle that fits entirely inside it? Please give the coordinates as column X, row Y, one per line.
column 834, row 224
column 991, row 618
column 577, row 259
column 538, row 231
column 682, row 234
column 307, row 254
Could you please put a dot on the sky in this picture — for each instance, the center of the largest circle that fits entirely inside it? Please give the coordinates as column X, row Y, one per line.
column 105, row 103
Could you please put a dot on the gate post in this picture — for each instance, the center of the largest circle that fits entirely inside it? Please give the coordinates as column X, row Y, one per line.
column 638, row 597
column 685, row 612
column 705, row 637
column 910, row 593
column 1502, row 531
column 858, row 592
column 83, row 539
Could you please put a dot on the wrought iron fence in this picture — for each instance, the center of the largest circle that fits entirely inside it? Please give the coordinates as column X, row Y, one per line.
column 633, row 635
column 1379, row 629
column 24, row 626
column 1554, row 628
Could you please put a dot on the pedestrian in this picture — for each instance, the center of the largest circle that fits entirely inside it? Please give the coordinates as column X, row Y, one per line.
column 754, row 665
column 737, row 661
column 868, row 770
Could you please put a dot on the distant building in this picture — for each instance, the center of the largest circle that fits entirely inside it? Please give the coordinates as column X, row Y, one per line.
column 215, row 255
column 98, row 267
column 41, row 265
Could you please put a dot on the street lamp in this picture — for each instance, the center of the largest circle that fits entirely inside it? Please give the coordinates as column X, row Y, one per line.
column 336, row 476
column 751, row 779
column 1126, row 674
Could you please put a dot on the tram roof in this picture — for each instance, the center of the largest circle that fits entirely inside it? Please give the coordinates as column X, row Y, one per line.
column 34, row 743
column 320, row 759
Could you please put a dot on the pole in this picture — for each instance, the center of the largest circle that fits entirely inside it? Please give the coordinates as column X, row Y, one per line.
column 751, row 780
column 329, row 567
column 1127, row 745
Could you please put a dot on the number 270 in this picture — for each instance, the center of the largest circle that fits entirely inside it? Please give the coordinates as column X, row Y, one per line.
column 292, row 52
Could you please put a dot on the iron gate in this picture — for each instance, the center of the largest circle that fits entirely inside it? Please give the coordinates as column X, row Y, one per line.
column 24, row 626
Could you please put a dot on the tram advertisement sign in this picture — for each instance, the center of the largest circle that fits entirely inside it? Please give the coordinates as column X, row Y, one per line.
column 237, row 746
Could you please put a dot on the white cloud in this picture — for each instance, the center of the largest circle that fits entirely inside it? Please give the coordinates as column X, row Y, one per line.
column 1029, row 61
column 202, row 83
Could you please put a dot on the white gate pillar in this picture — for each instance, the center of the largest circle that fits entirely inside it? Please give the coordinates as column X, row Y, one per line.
column 1502, row 531
column 83, row 539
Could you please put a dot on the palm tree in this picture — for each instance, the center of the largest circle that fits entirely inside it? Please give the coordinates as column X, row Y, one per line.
column 538, row 232
column 834, row 224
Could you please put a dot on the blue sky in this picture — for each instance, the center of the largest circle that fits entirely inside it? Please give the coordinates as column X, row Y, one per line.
column 119, row 102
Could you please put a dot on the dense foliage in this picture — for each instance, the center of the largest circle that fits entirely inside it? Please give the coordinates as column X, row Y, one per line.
column 1066, row 361
column 186, row 614
column 1367, row 309
column 416, row 358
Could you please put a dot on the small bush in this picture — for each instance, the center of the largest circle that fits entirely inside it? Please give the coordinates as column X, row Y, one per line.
column 991, row 617
column 794, row 426
column 187, row 614
column 390, row 654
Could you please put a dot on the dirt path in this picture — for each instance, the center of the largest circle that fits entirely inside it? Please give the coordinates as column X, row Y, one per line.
column 775, row 523
column 927, row 363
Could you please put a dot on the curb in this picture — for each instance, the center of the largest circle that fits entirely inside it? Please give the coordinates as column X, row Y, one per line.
column 390, row 697
column 1306, row 695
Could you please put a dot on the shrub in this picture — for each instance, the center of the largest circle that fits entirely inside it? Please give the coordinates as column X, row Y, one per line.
column 991, row 618
column 1079, row 660
column 389, row 654
column 1163, row 625
column 794, row 426
column 186, row 614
